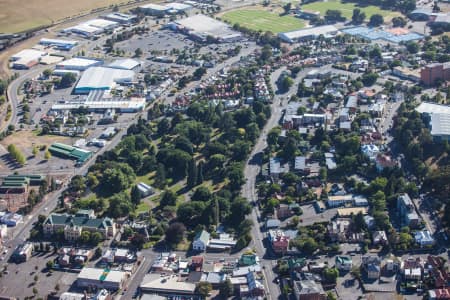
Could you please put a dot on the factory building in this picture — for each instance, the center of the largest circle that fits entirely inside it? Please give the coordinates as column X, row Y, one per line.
column 308, row 33
column 121, row 18
column 59, row 44
column 78, row 63
column 102, row 78
column 26, row 58
column 92, row 27
column 154, row 10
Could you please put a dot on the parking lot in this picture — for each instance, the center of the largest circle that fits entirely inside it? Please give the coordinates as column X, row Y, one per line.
column 22, row 277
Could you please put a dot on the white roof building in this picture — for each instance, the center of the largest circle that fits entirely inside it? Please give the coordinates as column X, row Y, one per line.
column 124, row 64
column 78, row 63
column 101, row 78
column 308, row 33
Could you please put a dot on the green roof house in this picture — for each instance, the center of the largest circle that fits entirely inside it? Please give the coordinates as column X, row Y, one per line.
column 201, row 241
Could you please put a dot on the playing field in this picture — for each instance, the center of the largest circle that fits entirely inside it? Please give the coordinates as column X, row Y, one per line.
column 21, row 15
column 347, row 9
column 263, row 20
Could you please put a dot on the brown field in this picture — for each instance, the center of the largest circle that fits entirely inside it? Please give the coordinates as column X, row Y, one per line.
column 25, row 139
column 21, row 15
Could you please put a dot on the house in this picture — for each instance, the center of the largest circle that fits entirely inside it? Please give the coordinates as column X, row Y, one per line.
column 370, row 221
column 276, row 168
column 423, row 238
column 225, row 241
column 407, row 211
column 370, row 150
column 439, row 294
column 201, row 241
column 343, row 263
column 337, row 230
column 371, row 264
column 360, row 201
column 330, row 161
column 73, row 225
column 272, row 223
column 384, row 161
column 379, row 238
column 309, row 290
column 283, row 212
column 22, row 253
column 412, row 269
column 339, row 200
column 248, row 260
column 437, row 271
column 197, row 263
column 253, row 289
column 279, row 241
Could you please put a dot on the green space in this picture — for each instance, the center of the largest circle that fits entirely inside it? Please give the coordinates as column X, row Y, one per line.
column 263, row 20
column 347, row 9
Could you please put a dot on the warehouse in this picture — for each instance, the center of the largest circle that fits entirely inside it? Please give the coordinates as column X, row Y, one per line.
column 176, row 8
column 26, row 58
column 92, row 27
column 59, row 44
column 66, row 151
column 121, row 18
column 102, row 78
column 125, row 64
column 439, row 116
column 78, row 63
column 154, row 10
column 101, row 278
column 201, row 26
column 308, row 33
column 125, row 106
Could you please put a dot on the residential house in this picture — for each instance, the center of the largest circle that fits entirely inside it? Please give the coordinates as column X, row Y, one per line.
column 412, row 269
column 337, row 230
column 197, row 263
column 343, row 263
column 276, row 168
column 407, row 211
column 371, row 264
column 272, row 223
column 73, row 225
column 423, row 238
column 283, row 211
column 248, row 260
column 437, row 270
column 201, row 241
column 384, row 161
column 279, row 241
column 339, row 200
column 309, row 290
column 439, row 294
column 379, row 238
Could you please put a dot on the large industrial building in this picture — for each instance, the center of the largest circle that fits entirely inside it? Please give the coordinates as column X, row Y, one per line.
column 66, row 151
column 199, row 27
column 132, row 105
column 59, row 44
column 439, row 116
column 125, row 64
column 102, row 78
column 78, row 63
column 92, row 27
column 308, row 33
column 121, row 18
column 26, row 58
column 154, row 9
column 101, row 278
column 394, row 35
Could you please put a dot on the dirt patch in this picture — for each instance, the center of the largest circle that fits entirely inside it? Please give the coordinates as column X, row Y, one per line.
column 25, row 140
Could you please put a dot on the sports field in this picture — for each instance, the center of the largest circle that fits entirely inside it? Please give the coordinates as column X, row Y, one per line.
column 258, row 19
column 347, row 9
column 21, row 15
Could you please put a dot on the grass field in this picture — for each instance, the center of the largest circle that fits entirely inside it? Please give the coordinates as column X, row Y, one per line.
column 21, row 15
column 263, row 20
column 347, row 9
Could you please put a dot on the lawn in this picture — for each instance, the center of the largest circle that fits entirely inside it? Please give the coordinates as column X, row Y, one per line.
column 257, row 19
column 347, row 9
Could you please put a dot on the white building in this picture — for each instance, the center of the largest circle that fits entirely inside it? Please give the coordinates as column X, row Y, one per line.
column 78, row 63
column 201, row 241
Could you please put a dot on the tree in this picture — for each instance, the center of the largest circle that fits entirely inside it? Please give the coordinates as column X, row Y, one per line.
column 138, row 52
column 47, row 73
column 95, row 238
column 226, row 289
column 412, row 47
column 135, row 195
column 85, row 237
column 198, row 73
column 369, row 79
column 200, row 173
column 47, row 155
column 398, row 22
column 376, row 20
column 204, row 288
column 175, row 233
column 330, row 274
column 16, row 154
column 285, row 83
column 168, row 198
column 192, row 174
column 201, row 194
column 35, row 151
column 67, row 80
column 334, row 15
column 358, row 16
column 50, row 264
column 287, row 8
